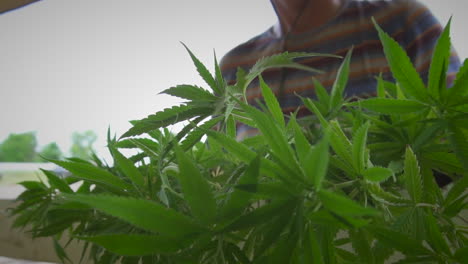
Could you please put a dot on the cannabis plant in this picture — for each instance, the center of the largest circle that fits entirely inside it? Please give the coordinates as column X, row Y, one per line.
column 354, row 182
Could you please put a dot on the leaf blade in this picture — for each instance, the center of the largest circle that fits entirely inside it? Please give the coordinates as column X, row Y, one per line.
column 438, row 68
column 336, row 94
column 401, row 67
column 316, row 162
column 168, row 116
column 93, row 174
column 190, row 92
column 342, row 205
column 141, row 213
column 195, row 188
column 412, row 175
column 377, row 174
column 359, row 148
column 203, row 71
column 272, row 103
column 128, row 168
column 56, row 182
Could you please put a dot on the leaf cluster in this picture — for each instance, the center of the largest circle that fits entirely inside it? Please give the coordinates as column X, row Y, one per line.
column 355, row 182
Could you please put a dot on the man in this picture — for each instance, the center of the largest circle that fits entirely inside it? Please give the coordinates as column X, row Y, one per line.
column 334, row 26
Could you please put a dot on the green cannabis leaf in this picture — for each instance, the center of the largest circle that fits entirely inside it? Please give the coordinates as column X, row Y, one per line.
column 402, row 68
column 353, row 182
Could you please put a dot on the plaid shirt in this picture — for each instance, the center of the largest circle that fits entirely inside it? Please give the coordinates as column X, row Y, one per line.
column 409, row 22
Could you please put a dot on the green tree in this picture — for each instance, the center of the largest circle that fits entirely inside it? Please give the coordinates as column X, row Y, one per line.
column 19, row 148
column 51, row 151
column 82, row 144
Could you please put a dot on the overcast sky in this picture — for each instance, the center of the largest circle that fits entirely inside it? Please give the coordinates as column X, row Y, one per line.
column 74, row 65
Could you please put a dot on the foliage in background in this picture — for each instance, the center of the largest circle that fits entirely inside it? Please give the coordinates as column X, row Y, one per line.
column 51, row 151
column 23, row 147
column 82, row 144
column 19, row 148
column 358, row 188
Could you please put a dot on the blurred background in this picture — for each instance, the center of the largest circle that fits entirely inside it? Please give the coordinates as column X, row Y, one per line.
column 71, row 69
